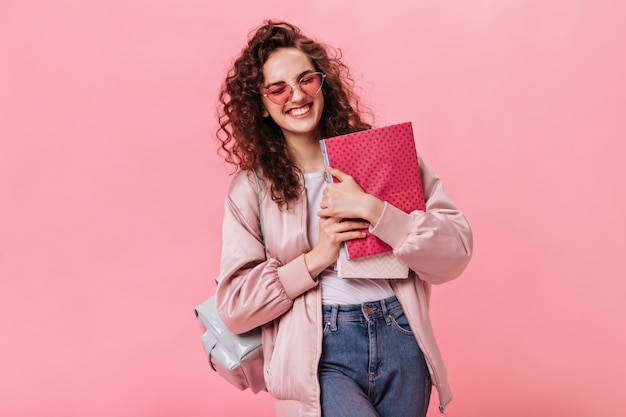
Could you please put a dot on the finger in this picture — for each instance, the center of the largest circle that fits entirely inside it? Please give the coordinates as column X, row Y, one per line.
column 337, row 173
column 359, row 224
column 353, row 234
column 326, row 220
column 352, row 225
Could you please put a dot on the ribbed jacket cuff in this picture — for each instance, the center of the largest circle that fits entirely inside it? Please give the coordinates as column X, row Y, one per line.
column 392, row 226
column 295, row 277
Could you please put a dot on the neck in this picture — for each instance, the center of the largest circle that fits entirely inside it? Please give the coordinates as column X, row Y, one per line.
column 307, row 154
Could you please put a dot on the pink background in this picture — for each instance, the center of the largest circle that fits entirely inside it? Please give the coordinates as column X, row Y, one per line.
column 111, row 194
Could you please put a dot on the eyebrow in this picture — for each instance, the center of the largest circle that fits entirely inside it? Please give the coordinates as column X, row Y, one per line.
column 302, row 74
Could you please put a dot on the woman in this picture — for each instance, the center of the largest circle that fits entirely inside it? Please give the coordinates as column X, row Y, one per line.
column 332, row 347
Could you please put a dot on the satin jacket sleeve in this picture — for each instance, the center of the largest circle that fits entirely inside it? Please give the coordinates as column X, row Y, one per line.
column 254, row 289
column 437, row 243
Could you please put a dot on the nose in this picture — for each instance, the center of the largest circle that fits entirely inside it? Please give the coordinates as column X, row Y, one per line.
column 296, row 93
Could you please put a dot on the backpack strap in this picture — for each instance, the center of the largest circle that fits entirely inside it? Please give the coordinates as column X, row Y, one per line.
column 259, row 187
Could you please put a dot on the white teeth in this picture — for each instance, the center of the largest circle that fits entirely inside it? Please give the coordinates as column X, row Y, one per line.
column 300, row 111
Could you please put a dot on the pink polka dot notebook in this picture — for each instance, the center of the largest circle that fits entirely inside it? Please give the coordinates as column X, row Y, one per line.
column 383, row 161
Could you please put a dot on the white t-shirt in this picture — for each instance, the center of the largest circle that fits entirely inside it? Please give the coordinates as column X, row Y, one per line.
column 336, row 290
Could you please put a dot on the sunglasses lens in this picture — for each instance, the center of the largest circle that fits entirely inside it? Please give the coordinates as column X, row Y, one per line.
column 311, row 83
column 279, row 94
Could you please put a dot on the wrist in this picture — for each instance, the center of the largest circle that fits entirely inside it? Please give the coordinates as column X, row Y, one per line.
column 313, row 264
column 373, row 209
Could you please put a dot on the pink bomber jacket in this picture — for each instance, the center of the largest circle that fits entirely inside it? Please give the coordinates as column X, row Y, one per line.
column 269, row 285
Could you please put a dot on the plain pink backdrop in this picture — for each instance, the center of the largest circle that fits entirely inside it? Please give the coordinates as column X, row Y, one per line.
column 111, row 194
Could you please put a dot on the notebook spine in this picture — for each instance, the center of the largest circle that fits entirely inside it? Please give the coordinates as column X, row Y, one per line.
column 329, row 179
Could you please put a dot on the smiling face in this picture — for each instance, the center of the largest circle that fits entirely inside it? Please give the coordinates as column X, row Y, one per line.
column 299, row 118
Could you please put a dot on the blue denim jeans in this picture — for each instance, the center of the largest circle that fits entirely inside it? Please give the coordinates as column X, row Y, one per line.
column 371, row 365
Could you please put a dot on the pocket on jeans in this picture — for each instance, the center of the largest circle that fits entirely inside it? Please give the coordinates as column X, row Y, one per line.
column 400, row 323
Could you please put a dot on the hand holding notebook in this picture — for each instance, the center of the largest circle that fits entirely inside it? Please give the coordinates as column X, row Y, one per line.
column 384, row 163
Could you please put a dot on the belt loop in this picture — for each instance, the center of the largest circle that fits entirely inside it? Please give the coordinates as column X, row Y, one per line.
column 333, row 318
column 386, row 313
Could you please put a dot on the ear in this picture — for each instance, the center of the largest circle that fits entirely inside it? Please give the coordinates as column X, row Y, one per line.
column 265, row 112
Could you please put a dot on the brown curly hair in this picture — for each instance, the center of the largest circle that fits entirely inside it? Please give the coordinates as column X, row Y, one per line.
column 249, row 140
